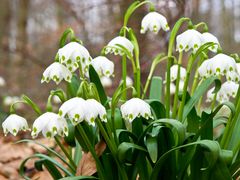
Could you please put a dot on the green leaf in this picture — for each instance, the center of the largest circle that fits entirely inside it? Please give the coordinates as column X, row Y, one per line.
column 53, row 171
column 78, row 178
column 42, row 156
column 51, row 151
column 156, row 88
column 125, row 147
column 70, row 139
column 201, row 89
column 212, row 147
column 152, row 147
column 77, row 153
column 94, row 78
column 72, row 87
column 158, row 108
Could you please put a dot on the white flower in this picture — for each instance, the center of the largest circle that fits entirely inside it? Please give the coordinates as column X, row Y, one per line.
column 189, row 39
column 9, row 100
column 57, row 72
column 78, row 110
column 238, row 68
column 228, row 89
column 94, row 110
column 220, row 64
column 113, row 47
column 2, row 82
column 56, row 99
column 208, row 37
column 135, row 107
column 75, row 109
column 173, row 87
column 106, row 81
column 174, row 73
column 154, row 22
column 103, row 66
column 13, row 124
column 50, row 124
column 129, row 81
column 74, row 53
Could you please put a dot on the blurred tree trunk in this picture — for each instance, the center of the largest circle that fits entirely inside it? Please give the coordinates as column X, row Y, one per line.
column 5, row 16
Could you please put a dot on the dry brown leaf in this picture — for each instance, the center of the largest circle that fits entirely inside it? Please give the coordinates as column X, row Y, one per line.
column 87, row 165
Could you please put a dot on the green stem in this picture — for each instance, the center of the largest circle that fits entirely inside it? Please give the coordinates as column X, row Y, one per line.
column 156, row 61
column 175, row 102
column 59, row 143
column 92, row 150
column 169, row 64
column 199, row 105
column 124, row 76
column 230, row 128
column 112, row 148
column 182, row 104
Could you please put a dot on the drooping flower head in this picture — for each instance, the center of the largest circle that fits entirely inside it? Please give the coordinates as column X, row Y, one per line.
column 14, row 124
column 154, row 21
column 57, row 72
column 228, row 89
column 2, row 82
column 173, row 87
column 78, row 110
column 103, row 66
column 74, row 53
column 174, row 73
column 220, row 64
column 208, row 37
column 190, row 39
column 94, row 109
column 135, row 107
column 50, row 124
column 106, row 81
column 113, row 47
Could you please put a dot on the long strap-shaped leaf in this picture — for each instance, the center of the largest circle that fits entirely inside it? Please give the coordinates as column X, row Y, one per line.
column 199, row 92
column 212, row 147
column 42, row 156
column 49, row 150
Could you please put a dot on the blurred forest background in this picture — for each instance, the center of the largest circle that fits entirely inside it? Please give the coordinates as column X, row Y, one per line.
column 30, row 31
column 29, row 36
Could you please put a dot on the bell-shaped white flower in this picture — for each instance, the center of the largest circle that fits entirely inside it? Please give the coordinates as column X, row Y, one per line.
column 106, row 81
column 74, row 53
column 114, row 48
column 14, row 124
column 75, row 109
column 57, row 72
column 2, row 82
column 135, row 107
column 220, row 64
column 129, row 81
column 154, row 21
column 228, row 89
column 173, row 87
column 190, row 39
column 208, row 37
column 94, row 110
column 50, row 124
column 174, row 73
column 103, row 66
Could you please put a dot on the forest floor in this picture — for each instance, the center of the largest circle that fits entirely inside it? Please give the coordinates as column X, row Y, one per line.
column 11, row 156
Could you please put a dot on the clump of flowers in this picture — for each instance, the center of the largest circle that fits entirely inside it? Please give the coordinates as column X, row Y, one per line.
column 156, row 130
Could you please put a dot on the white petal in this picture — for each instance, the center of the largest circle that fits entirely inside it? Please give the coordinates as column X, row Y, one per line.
column 135, row 107
column 13, row 124
column 208, row 37
column 103, row 66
